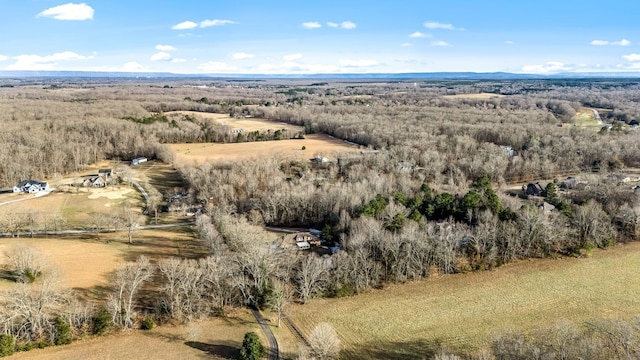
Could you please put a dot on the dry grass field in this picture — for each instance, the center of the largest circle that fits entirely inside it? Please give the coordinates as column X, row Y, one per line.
column 210, row 339
column 248, row 124
column 464, row 312
column 585, row 118
column 479, row 96
column 77, row 206
column 85, row 261
column 315, row 144
column 77, row 263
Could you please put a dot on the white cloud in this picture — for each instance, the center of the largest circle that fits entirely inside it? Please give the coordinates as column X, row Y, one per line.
column 509, row 42
column 348, row 25
column 69, row 11
column 311, row 25
column 178, row 60
column 441, row 26
column 165, row 48
column 215, row 22
column 185, row 25
column 623, row 42
column 48, row 62
column 216, row 67
column 419, row 34
column 547, row 68
column 292, row 57
column 406, row 44
column 242, row 55
column 632, row 57
column 440, row 43
column 358, row 63
column 161, row 56
column 3, row 58
column 332, row 24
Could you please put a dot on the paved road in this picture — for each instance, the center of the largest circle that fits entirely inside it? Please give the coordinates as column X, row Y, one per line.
column 274, row 352
column 145, row 195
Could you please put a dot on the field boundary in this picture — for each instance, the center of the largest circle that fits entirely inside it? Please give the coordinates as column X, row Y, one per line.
column 295, row 330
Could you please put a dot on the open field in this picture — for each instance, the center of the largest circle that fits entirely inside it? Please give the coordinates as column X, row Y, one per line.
column 315, row 144
column 247, row 124
column 585, row 118
column 77, row 207
column 85, row 262
column 211, row 339
column 78, row 263
column 479, row 96
column 464, row 312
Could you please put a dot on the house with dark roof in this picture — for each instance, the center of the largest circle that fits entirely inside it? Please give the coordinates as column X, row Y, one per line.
column 31, row 186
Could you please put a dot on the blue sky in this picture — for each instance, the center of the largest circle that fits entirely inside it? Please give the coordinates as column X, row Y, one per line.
column 329, row 36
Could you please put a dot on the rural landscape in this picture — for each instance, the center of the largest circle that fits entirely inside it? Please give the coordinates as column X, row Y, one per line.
column 319, row 219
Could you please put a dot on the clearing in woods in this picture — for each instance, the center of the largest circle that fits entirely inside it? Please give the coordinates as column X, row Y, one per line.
column 479, row 96
column 586, row 117
column 315, row 144
column 464, row 312
column 247, row 124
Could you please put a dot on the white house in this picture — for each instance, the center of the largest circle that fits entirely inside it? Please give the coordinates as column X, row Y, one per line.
column 139, row 160
column 31, row 186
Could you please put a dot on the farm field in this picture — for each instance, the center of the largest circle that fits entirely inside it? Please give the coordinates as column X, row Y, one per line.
column 478, row 96
column 76, row 207
column 247, row 124
column 315, row 144
column 85, row 262
column 464, row 312
column 586, row 118
column 212, row 339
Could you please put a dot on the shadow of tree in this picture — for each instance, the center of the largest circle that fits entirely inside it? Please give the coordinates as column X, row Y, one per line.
column 224, row 351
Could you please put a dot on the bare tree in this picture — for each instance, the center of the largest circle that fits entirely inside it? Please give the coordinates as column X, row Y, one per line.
column 128, row 219
column 127, row 282
column 25, row 261
column 27, row 311
column 309, row 276
column 278, row 298
column 324, row 342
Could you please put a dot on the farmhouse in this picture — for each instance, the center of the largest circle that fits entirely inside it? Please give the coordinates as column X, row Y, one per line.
column 139, row 160
column 106, row 174
column 94, row 181
column 306, row 237
column 31, row 186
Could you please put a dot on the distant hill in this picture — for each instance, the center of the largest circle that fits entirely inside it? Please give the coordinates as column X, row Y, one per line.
column 393, row 76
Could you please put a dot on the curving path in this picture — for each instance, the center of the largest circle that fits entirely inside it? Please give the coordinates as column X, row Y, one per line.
column 274, row 352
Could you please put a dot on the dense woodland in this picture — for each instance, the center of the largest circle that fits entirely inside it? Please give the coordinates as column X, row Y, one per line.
column 425, row 195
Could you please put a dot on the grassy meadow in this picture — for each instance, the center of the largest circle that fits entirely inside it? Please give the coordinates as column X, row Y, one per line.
column 464, row 312
column 314, row 144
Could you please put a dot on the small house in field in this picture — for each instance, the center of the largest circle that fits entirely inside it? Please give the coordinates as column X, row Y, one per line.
column 105, row 174
column 94, row 181
column 139, row 160
column 31, row 186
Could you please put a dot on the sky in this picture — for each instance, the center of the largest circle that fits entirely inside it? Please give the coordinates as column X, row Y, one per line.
column 315, row 37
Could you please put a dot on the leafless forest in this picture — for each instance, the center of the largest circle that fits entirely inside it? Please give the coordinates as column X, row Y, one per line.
column 426, row 194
